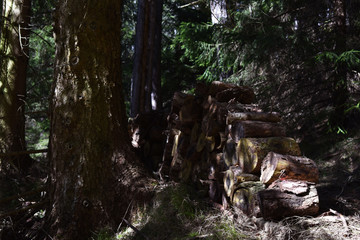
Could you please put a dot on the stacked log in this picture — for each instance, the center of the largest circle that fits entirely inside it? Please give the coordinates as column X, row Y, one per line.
column 224, row 140
column 147, row 136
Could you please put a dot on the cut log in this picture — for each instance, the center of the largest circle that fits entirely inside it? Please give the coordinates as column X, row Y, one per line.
column 201, row 142
column 178, row 101
column 275, row 166
column 191, row 110
column 241, row 94
column 251, row 151
column 192, row 156
column 229, row 179
column 288, row 198
column 230, row 153
column 217, row 86
column 179, row 153
column 195, row 132
column 253, row 116
column 255, row 129
column 245, row 198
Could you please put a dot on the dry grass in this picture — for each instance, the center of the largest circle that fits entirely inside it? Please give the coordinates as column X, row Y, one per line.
column 179, row 214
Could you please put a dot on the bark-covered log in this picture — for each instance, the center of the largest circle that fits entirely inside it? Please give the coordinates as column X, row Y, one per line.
column 245, row 197
column 288, row 198
column 217, row 86
column 188, row 163
column 178, row 101
column 230, row 153
column 253, row 116
column 275, row 166
column 258, row 129
column 216, row 113
column 191, row 110
column 251, row 151
column 179, row 153
column 241, row 94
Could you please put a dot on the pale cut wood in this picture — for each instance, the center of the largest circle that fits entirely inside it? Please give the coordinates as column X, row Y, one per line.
column 288, row 198
column 201, row 142
column 255, row 129
column 195, row 132
column 275, row 166
column 251, row 151
column 253, row 116
column 245, row 198
column 229, row 179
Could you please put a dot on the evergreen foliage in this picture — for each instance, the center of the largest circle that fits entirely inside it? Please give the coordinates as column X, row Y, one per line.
column 40, row 74
column 287, row 50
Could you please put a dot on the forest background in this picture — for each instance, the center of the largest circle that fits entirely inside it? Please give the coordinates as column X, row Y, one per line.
column 301, row 58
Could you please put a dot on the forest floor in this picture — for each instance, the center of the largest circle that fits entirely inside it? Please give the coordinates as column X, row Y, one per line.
column 181, row 211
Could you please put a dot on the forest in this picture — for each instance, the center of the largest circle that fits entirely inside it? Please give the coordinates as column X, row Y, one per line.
column 179, row 119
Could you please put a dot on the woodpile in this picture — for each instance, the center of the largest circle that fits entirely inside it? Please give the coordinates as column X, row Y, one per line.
column 220, row 138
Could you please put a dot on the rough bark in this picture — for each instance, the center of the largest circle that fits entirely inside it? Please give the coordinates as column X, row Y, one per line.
column 254, row 116
column 251, row 151
column 146, row 81
column 340, row 86
column 239, row 94
column 91, row 162
column 288, row 198
column 14, row 53
column 253, row 129
column 275, row 166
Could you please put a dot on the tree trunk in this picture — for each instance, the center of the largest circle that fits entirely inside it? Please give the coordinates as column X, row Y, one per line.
column 340, row 89
column 275, row 166
column 146, row 81
column 92, row 165
column 14, row 51
column 252, row 151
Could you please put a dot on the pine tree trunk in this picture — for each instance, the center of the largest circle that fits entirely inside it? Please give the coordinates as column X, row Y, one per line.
column 146, row 81
column 14, row 59
column 92, row 166
column 340, row 89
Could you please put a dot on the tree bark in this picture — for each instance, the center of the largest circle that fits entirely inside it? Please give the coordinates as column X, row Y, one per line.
column 91, row 162
column 340, row 87
column 252, row 151
column 253, row 129
column 253, row 116
column 14, row 57
column 146, row 81
column 288, row 198
column 275, row 166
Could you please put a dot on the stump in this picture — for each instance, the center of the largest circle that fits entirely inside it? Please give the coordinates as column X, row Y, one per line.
column 275, row 166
